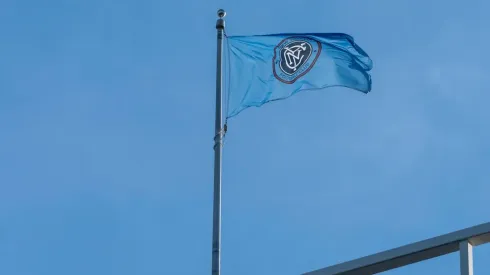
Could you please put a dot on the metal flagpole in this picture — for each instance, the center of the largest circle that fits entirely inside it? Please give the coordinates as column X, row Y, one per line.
column 218, row 143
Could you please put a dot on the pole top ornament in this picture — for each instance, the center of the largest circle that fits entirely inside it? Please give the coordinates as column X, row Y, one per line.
column 221, row 13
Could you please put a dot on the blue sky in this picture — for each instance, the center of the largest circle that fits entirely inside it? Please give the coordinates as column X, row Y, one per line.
column 106, row 127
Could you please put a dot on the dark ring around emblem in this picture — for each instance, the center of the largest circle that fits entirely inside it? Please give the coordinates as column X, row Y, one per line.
column 294, row 57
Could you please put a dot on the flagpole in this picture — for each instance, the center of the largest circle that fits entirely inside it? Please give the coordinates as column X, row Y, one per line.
column 218, row 143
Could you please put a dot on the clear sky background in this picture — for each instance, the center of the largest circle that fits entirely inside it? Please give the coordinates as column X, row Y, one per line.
column 106, row 135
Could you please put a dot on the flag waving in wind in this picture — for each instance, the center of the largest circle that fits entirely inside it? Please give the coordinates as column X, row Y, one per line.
column 265, row 68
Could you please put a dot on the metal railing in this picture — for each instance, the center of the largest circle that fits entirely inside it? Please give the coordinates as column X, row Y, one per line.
column 462, row 241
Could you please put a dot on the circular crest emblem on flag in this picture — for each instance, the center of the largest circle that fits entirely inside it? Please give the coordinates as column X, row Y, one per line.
column 294, row 57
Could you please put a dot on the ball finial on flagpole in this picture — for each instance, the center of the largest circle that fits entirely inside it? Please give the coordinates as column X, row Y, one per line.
column 220, row 24
column 221, row 13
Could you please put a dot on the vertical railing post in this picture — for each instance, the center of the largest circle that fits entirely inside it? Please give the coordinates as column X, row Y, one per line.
column 466, row 257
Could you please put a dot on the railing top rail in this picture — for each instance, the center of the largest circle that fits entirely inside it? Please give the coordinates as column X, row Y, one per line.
column 409, row 254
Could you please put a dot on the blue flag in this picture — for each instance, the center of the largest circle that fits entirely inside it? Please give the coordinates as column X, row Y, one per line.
column 265, row 68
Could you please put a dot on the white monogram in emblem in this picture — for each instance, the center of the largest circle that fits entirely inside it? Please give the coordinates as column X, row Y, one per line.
column 294, row 55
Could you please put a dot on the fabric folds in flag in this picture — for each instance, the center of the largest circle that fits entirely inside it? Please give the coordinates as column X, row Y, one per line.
column 265, row 68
